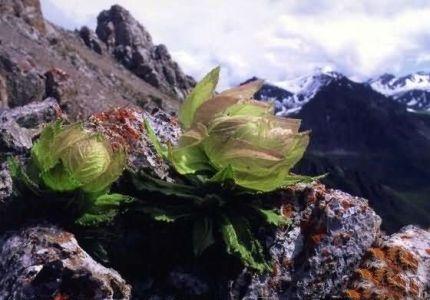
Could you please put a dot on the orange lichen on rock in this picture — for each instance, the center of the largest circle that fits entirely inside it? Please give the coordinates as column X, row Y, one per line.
column 287, row 210
column 385, row 274
column 353, row 294
column 120, row 125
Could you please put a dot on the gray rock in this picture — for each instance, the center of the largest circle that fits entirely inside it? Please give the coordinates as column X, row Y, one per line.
column 20, row 80
column 44, row 262
column 29, row 10
column 19, row 125
column 132, row 45
column 5, row 184
column 90, row 39
column 314, row 258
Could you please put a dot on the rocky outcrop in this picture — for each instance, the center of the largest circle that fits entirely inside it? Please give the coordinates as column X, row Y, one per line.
column 330, row 233
column 44, row 262
column 29, row 10
column 132, row 45
column 90, row 39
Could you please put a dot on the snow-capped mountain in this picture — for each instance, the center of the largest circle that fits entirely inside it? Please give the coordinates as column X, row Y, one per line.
column 290, row 95
column 413, row 90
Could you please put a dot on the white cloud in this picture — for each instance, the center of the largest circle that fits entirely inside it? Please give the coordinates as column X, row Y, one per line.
column 275, row 39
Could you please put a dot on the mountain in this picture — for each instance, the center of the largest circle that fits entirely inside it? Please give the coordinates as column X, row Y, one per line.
column 370, row 145
column 412, row 90
column 290, row 95
column 85, row 71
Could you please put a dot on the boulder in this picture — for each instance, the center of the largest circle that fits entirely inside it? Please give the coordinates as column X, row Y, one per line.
column 19, row 125
column 45, row 262
column 90, row 39
column 313, row 258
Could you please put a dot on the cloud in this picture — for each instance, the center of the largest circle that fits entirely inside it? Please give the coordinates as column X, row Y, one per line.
column 275, row 39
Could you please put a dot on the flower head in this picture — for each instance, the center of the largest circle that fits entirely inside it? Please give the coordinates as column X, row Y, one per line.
column 71, row 157
column 231, row 131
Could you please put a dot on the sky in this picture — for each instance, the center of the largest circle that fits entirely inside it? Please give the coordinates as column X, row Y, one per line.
column 275, row 39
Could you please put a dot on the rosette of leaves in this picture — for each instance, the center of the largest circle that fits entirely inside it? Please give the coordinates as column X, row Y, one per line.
column 69, row 161
column 232, row 148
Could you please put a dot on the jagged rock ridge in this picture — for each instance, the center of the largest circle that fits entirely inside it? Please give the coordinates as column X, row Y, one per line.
column 132, row 45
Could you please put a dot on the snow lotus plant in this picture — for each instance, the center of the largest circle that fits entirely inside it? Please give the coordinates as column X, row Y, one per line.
column 69, row 159
column 232, row 147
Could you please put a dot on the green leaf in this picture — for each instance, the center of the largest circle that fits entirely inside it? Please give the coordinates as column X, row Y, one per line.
column 59, row 179
column 111, row 174
column 159, row 148
column 240, row 242
column 41, row 152
column 202, row 235
column 103, row 209
column 202, row 92
column 223, row 175
column 18, row 173
column 188, row 156
column 95, row 219
column 108, row 201
column 166, row 214
column 244, row 91
column 272, row 217
column 146, row 183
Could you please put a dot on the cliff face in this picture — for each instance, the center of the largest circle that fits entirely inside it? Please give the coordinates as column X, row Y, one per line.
column 334, row 247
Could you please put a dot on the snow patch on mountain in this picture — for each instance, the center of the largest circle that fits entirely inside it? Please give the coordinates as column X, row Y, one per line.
column 300, row 90
column 413, row 90
column 390, row 85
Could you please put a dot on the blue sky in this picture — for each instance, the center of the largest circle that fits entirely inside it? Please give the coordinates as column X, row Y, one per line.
column 275, row 39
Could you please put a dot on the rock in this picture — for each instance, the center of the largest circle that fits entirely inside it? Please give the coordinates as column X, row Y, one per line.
column 20, row 80
column 19, row 125
column 29, row 10
column 330, row 233
column 126, row 127
column 5, row 184
column 132, row 45
column 90, row 39
column 397, row 268
column 44, row 262
column 61, row 87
